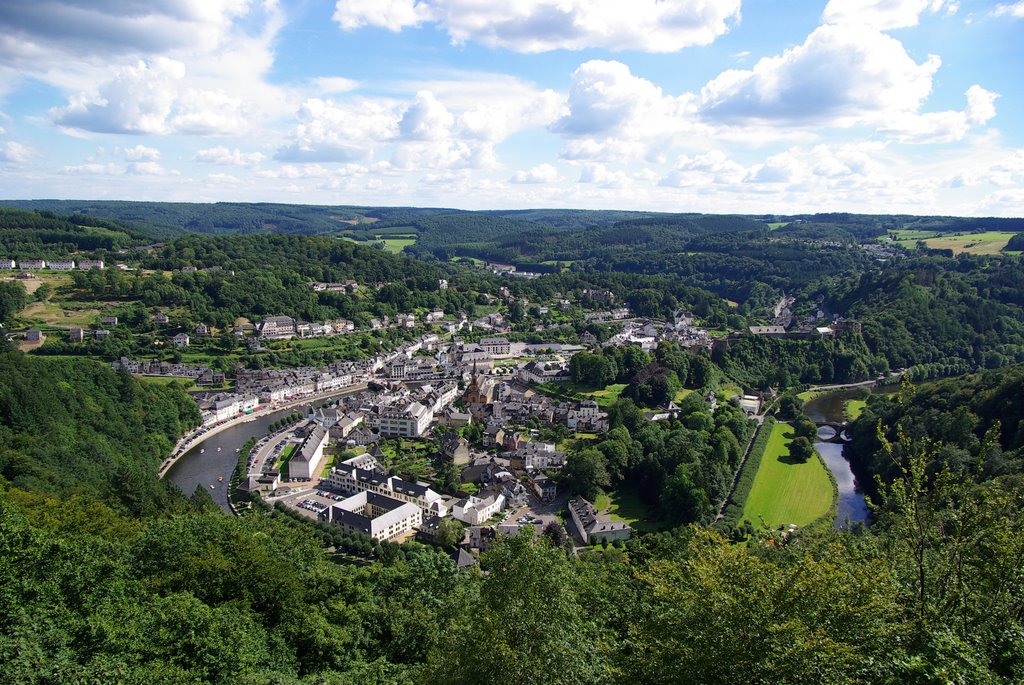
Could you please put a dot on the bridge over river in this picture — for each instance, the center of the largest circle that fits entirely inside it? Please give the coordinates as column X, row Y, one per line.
column 832, row 431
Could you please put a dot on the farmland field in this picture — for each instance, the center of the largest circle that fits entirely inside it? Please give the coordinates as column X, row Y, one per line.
column 988, row 243
column 785, row 492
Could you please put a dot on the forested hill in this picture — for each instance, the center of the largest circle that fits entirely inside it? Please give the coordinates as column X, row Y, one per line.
column 44, row 235
column 978, row 419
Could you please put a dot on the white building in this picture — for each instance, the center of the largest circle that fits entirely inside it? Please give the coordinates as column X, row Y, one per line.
column 61, row 264
column 495, row 345
column 359, row 474
column 181, row 340
column 474, row 510
column 6, row 263
column 592, row 528
column 85, row 264
column 308, row 459
column 382, row 518
column 277, row 327
column 33, row 263
column 410, row 422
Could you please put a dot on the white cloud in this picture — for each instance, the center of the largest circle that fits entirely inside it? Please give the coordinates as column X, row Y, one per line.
column 883, row 14
column 542, row 173
column 138, row 99
column 839, row 76
column 613, row 114
column 599, row 175
column 149, row 98
column 1014, row 10
column 141, row 153
column 49, row 29
column 223, row 156
column 340, row 132
column 149, row 169
column 13, row 152
column 943, row 127
column 713, row 167
column 332, row 85
column 425, row 119
column 541, row 25
column 94, row 169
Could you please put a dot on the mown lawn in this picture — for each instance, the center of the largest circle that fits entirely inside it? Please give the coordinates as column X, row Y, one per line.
column 853, row 408
column 625, row 505
column 785, row 492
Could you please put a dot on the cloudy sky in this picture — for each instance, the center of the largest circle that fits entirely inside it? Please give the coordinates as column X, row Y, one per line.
column 681, row 105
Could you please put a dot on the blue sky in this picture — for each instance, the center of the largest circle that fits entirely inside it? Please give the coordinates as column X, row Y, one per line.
column 688, row 105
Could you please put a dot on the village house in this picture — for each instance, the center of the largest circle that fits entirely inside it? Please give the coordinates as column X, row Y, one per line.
column 202, row 330
column 475, row 510
column 160, row 318
column 76, row 334
column 592, row 528
column 34, row 336
column 180, row 340
column 101, row 334
column 411, row 422
column 86, row 264
column 495, row 346
column 277, row 327
column 108, row 320
column 455, row 447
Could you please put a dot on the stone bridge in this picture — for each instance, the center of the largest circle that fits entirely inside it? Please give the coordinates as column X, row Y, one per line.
column 832, row 431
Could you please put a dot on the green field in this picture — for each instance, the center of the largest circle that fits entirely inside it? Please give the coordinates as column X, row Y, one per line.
column 853, row 408
column 785, row 492
column 397, row 243
column 184, row 383
column 625, row 505
column 777, row 224
column 987, row 243
column 603, row 396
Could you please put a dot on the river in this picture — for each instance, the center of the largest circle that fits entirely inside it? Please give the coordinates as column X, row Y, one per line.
column 202, row 464
column 852, row 506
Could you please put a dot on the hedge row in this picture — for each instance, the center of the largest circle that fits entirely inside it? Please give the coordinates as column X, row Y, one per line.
column 734, row 509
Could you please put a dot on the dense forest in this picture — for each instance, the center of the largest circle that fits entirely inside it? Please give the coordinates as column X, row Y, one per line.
column 100, row 586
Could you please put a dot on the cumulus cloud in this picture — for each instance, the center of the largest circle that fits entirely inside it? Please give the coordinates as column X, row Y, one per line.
column 13, row 152
column 223, row 156
column 840, row 76
column 883, row 14
column 943, row 127
column 425, row 119
column 613, row 114
column 533, row 26
column 713, row 167
column 329, row 131
column 601, row 176
column 542, row 173
column 149, row 97
column 138, row 99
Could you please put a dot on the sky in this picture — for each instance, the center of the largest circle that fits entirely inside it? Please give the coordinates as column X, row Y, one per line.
column 747, row 106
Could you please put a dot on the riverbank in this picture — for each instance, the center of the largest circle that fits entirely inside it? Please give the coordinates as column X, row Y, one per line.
column 189, row 442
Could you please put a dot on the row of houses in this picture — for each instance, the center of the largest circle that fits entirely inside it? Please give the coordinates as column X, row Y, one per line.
column 52, row 264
